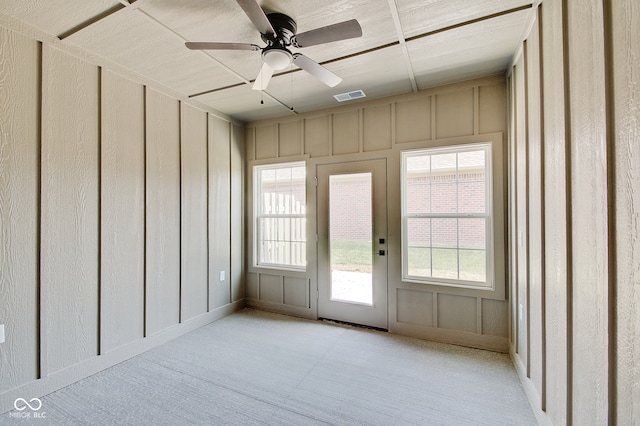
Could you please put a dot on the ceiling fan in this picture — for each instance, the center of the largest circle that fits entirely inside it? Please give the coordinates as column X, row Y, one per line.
column 279, row 32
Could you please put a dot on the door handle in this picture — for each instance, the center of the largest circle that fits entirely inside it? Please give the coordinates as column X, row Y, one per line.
column 380, row 252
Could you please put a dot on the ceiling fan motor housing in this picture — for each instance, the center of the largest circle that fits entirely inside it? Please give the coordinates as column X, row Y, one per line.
column 285, row 28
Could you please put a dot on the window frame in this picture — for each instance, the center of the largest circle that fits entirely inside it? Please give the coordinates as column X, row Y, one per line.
column 488, row 215
column 257, row 215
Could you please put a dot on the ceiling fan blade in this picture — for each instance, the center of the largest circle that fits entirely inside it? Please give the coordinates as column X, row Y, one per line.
column 316, row 70
column 340, row 31
column 264, row 76
column 257, row 16
column 209, row 45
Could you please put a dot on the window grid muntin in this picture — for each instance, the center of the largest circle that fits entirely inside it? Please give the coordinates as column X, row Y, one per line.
column 274, row 212
column 487, row 215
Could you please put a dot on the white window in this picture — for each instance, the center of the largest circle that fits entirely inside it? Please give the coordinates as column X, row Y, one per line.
column 447, row 216
column 280, row 221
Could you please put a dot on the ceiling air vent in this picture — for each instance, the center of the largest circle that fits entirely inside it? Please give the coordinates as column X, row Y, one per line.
column 356, row 94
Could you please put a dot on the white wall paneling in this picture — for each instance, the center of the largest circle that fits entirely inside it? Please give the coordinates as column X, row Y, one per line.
column 70, row 209
column 19, row 208
column 219, row 211
column 193, row 214
column 90, row 208
column 382, row 129
column 623, row 38
column 579, row 363
column 237, row 174
column 163, row 212
column 122, row 212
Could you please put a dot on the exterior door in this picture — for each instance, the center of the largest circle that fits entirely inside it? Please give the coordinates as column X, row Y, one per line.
column 352, row 242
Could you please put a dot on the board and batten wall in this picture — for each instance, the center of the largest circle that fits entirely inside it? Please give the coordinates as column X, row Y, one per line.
column 471, row 111
column 119, row 207
column 574, row 235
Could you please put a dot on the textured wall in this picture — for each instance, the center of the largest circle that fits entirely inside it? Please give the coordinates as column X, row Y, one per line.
column 576, row 137
column 109, row 214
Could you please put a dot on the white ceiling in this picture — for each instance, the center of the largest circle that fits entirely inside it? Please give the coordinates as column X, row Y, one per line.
column 407, row 45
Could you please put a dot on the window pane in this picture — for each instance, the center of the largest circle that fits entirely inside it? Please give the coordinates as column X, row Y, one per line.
column 444, row 233
column 440, row 241
column 444, row 198
column 473, row 265
column 419, row 261
column 281, row 238
column 443, row 183
column 472, row 233
column 418, row 187
column 418, row 184
column 471, row 197
column 443, row 165
column 419, row 246
column 351, row 238
column 445, row 263
column 471, row 160
column 419, row 232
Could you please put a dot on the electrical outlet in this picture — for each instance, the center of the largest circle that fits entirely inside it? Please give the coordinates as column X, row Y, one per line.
column 1, row 333
column 221, row 276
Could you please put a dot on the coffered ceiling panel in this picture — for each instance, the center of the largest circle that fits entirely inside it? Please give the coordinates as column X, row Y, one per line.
column 481, row 48
column 406, row 45
column 421, row 17
column 133, row 40
column 56, row 16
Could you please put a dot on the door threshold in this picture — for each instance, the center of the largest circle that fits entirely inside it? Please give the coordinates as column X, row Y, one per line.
column 352, row 324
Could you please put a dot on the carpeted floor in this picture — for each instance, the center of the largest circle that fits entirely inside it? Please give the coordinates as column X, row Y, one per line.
column 254, row 367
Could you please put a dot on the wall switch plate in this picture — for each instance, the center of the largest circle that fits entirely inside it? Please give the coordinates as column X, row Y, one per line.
column 221, row 275
column 1, row 333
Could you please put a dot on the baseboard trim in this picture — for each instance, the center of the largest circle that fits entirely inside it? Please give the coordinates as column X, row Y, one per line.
column 454, row 337
column 60, row 379
column 278, row 308
column 529, row 389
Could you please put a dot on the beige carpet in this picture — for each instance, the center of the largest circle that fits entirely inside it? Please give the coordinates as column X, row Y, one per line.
column 255, row 367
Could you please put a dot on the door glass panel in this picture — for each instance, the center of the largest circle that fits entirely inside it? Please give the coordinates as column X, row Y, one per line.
column 351, row 238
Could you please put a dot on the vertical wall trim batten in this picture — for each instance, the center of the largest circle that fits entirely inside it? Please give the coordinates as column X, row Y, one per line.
column 231, row 217
column 99, row 260
column 208, row 239
column 145, row 331
column 302, row 127
column 277, row 138
column 40, row 336
column 180, row 297
column 527, row 247
column 434, row 307
column 543, row 304
column 568, row 208
column 611, row 208
column 432, row 99
column 476, row 107
column 479, row 315
column 514, row 213
column 393, row 124
column 361, row 129
column 330, row 121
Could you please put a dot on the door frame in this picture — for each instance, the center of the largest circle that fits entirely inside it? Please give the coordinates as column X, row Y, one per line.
column 376, row 315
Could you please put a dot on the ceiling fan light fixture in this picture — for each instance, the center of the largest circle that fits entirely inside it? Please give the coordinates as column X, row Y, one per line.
column 277, row 59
